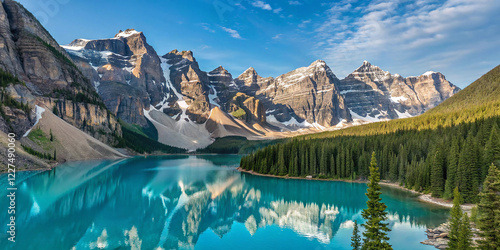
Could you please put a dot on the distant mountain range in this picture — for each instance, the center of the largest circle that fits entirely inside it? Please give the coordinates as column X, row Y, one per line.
column 94, row 84
column 176, row 96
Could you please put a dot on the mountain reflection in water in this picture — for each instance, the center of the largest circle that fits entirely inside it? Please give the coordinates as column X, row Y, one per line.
column 184, row 201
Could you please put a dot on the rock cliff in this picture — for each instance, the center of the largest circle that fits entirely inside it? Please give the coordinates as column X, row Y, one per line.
column 125, row 71
column 135, row 83
column 373, row 94
column 36, row 70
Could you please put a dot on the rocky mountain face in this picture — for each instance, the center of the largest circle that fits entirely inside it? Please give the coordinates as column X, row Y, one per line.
column 174, row 95
column 46, row 75
column 223, row 86
column 43, row 90
column 186, row 78
column 125, row 70
column 304, row 97
column 373, row 94
column 251, row 109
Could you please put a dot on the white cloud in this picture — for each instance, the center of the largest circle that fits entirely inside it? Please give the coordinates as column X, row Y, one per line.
column 294, row 3
column 278, row 36
column 204, row 47
column 262, row 5
column 412, row 36
column 278, row 10
column 304, row 23
column 232, row 32
column 206, row 27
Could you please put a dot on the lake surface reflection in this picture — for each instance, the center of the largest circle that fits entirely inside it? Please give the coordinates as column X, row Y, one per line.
column 202, row 202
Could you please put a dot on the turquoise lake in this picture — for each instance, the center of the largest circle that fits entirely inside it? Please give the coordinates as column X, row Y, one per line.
column 196, row 202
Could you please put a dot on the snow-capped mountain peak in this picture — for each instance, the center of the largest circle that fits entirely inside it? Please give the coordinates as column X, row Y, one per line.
column 127, row 33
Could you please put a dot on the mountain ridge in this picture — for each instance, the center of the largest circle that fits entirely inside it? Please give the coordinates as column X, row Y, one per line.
column 309, row 98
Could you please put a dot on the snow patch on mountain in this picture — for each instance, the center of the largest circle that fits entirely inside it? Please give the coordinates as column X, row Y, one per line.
column 293, row 123
column 398, row 99
column 127, row 33
column 39, row 111
column 366, row 118
column 403, row 115
column 213, row 97
column 180, row 98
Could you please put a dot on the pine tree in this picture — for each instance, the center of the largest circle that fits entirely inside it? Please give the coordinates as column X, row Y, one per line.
column 455, row 220
column 55, row 110
column 491, row 150
column 451, row 174
column 332, row 165
column 467, row 172
column 355, row 239
column 312, row 158
column 306, row 169
column 402, row 164
column 489, row 210
column 465, row 234
column 393, row 168
column 474, row 215
column 375, row 235
column 437, row 179
column 338, row 164
column 281, row 161
column 348, row 163
column 55, row 157
column 323, row 161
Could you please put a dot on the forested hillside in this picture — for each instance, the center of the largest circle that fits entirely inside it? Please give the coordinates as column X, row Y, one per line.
column 451, row 145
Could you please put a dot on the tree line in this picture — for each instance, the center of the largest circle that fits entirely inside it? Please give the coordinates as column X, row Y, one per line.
column 433, row 160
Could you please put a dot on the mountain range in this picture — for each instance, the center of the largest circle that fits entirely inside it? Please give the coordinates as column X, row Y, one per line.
column 173, row 94
column 100, row 86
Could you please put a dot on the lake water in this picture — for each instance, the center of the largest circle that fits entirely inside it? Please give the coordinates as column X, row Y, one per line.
column 201, row 202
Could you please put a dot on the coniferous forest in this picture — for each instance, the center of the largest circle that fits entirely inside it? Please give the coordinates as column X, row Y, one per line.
column 436, row 152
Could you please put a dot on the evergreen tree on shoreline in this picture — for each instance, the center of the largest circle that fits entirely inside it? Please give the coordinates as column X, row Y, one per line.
column 375, row 234
column 465, row 234
column 456, row 215
column 489, row 210
column 437, row 175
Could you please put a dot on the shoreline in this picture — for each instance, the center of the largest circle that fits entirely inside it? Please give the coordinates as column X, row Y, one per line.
column 52, row 165
column 427, row 198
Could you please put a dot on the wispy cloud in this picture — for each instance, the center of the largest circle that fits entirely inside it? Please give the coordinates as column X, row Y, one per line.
column 261, row 4
column 232, row 32
column 427, row 34
column 294, row 3
column 206, row 27
column 278, row 10
column 278, row 36
column 304, row 23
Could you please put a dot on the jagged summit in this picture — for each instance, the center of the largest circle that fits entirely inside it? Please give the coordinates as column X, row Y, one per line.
column 428, row 73
column 127, row 33
column 187, row 54
column 318, row 63
column 368, row 67
column 221, row 71
column 248, row 72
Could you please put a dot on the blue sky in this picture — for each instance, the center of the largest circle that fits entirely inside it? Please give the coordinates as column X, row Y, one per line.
column 460, row 38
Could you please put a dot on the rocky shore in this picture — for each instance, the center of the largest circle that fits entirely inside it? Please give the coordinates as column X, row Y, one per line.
column 438, row 236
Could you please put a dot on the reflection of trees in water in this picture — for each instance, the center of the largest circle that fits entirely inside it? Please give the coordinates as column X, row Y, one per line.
column 142, row 203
